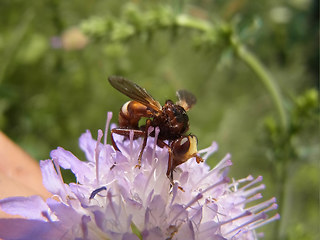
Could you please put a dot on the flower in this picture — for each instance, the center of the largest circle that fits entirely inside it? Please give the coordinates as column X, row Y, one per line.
column 113, row 199
column 71, row 39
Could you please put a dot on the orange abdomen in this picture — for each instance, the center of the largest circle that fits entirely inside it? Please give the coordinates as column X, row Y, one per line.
column 130, row 114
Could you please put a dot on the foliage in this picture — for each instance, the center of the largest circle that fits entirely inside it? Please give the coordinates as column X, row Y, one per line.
column 56, row 56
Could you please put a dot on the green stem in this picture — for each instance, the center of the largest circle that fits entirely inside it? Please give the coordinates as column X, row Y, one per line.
column 282, row 179
column 266, row 78
column 270, row 83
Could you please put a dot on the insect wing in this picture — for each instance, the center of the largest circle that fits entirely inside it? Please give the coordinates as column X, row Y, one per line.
column 186, row 99
column 134, row 92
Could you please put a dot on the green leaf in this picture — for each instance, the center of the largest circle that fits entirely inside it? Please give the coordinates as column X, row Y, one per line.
column 135, row 230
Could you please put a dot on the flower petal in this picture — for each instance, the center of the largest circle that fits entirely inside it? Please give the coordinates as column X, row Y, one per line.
column 87, row 145
column 50, row 178
column 29, row 207
column 67, row 160
column 66, row 214
column 130, row 236
column 26, row 229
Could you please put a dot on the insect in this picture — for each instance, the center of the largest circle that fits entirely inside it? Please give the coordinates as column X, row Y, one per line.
column 171, row 119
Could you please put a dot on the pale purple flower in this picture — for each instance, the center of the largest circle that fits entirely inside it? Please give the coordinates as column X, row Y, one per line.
column 113, row 199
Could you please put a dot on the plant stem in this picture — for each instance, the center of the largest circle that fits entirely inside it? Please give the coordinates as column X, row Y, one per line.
column 270, row 83
column 266, row 78
column 282, row 179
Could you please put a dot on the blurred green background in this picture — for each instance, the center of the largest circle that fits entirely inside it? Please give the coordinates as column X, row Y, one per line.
column 55, row 57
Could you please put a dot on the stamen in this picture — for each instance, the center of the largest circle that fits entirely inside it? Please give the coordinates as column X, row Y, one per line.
column 248, row 178
column 97, row 154
column 251, row 199
column 252, row 220
column 222, row 181
column 109, row 117
column 235, row 184
column 258, row 179
column 109, row 197
column 95, row 192
column 195, row 199
column 264, row 222
column 272, row 207
column 253, row 190
column 156, row 134
column 225, row 162
column 261, row 222
column 152, row 173
column 262, row 205
column 208, row 151
column 245, row 214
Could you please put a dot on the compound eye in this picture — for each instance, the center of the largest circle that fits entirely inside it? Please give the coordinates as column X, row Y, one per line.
column 181, row 146
column 180, row 114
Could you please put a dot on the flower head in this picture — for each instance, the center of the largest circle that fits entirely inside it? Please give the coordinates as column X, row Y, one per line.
column 113, row 199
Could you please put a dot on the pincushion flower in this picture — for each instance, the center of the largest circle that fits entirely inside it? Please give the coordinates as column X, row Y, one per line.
column 113, row 199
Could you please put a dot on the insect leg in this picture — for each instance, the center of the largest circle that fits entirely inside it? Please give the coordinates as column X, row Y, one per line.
column 126, row 133
column 112, row 140
column 146, row 133
column 198, row 158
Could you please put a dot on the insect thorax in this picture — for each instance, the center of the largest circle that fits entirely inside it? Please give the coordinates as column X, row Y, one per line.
column 173, row 121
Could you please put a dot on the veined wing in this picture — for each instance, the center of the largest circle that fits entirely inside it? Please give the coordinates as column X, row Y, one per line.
column 135, row 92
column 186, row 99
